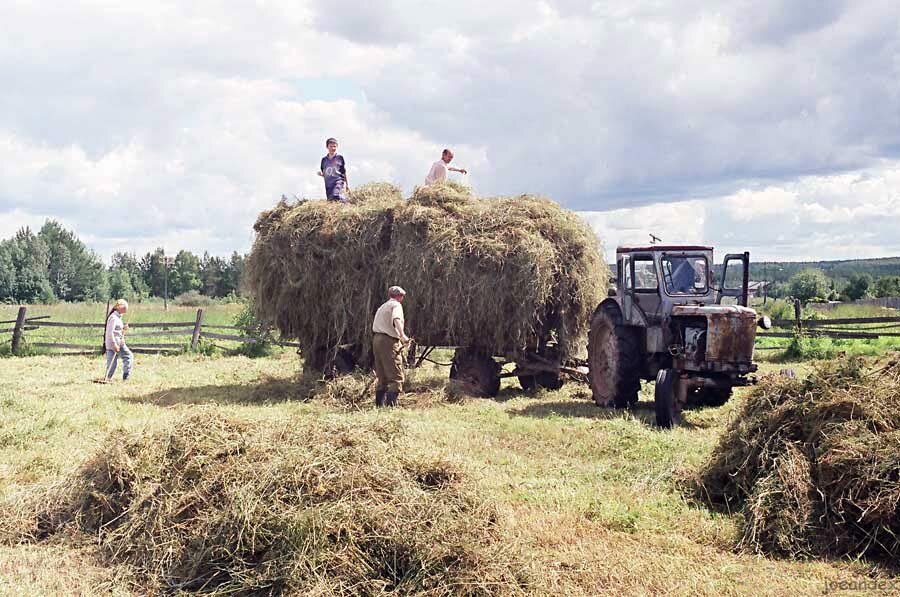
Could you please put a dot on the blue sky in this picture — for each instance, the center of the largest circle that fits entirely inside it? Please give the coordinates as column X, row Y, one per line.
column 768, row 126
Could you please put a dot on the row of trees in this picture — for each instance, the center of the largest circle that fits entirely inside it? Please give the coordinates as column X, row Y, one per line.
column 55, row 265
column 814, row 285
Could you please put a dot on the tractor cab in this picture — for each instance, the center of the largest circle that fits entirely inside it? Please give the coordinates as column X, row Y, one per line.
column 656, row 278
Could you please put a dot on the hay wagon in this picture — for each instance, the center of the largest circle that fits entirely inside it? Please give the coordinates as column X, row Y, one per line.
column 505, row 280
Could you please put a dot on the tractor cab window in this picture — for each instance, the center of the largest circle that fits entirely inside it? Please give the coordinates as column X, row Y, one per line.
column 624, row 266
column 645, row 275
column 685, row 275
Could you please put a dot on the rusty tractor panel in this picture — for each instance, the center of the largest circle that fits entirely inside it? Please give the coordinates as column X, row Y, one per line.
column 730, row 331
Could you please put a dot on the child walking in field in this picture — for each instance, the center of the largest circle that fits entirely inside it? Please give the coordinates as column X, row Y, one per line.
column 115, row 343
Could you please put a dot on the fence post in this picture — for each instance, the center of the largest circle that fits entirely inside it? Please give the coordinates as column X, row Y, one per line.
column 797, row 313
column 17, row 331
column 197, row 326
column 105, row 323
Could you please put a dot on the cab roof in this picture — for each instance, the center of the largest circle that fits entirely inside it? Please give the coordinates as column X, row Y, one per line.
column 650, row 248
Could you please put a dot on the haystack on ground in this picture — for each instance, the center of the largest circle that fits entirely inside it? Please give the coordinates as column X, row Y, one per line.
column 815, row 464
column 494, row 274
column 219, row 505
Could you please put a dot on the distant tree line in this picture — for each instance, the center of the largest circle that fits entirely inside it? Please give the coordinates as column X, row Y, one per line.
column 55, row 265
column 814, row 285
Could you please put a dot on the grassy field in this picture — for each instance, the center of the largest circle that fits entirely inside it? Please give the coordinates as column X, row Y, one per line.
column 591, row 494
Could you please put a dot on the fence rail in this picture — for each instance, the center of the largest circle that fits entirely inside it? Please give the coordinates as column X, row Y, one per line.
column 196, row 330
column 847, row 328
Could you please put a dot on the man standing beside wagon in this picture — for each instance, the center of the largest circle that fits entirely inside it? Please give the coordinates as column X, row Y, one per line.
column 388, row 339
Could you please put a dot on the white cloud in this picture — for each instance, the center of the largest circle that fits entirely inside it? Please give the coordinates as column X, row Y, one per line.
column 194, row 117
column 747, row 205
column 815, row 217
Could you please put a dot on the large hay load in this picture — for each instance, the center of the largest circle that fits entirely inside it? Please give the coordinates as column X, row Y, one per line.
column 814, row 464
column 504, row 276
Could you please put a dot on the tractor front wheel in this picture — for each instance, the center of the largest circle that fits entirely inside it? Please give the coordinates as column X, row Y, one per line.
column 668, row 411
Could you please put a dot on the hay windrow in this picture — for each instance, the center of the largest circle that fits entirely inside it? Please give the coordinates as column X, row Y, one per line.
column 489, row 273
column 227, row 506
column 814, row 464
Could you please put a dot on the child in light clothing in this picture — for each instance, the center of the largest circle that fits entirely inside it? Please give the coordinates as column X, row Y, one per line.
column 115, row 342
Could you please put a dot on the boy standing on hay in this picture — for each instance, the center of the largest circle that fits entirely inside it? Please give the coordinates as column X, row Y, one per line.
column 334, row 170
column 438, row 172
column 114, row 339
column 388, row 339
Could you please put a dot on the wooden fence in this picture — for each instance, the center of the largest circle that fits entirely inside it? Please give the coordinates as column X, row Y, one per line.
column 853, row 328
column 863, row 328
column 196, row 329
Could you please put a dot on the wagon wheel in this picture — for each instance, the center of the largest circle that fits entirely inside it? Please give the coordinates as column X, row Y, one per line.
column 332, row 362
column 478, row 373
column 550, row 380
column 344, row 362
column 528, row 382
column 544, row 379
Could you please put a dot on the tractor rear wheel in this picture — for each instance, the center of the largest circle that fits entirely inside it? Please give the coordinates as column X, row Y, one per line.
column 614, row 359
column 478, row 373
column 668, row 413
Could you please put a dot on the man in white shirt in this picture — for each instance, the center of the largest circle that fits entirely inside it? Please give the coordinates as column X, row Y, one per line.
column 438, row 172
column 388, row 339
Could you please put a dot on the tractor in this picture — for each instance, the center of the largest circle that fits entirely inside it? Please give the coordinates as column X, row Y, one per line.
column 665, row 320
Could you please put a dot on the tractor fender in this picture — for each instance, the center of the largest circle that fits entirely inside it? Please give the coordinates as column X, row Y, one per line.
column 612, row 308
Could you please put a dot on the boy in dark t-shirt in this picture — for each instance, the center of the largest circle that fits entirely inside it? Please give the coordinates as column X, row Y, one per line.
column 334, row 170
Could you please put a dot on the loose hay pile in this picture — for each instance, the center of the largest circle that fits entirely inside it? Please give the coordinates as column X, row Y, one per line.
column 489, row 273
column 218, row 505
column 815, row 463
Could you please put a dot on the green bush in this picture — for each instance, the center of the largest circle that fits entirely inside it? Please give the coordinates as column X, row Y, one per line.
column 258, row 334
column 802, row 347
column 778, row 309
column 25, row 350
column 206, row 348
column 192, row 298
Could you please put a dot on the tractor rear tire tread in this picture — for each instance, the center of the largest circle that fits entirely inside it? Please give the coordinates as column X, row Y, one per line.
column 614, row 356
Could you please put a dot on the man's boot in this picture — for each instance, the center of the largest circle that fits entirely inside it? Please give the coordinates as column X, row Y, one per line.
column 391, row 398
column 379, row 398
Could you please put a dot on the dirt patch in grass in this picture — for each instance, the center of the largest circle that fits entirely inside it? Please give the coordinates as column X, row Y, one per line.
column 213, row 504
column 814, row 464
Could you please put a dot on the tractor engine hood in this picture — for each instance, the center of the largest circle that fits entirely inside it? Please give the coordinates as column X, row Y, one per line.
column 730, row 330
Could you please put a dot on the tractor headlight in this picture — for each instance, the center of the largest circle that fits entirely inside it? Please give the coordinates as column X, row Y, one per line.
column 765, row 322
